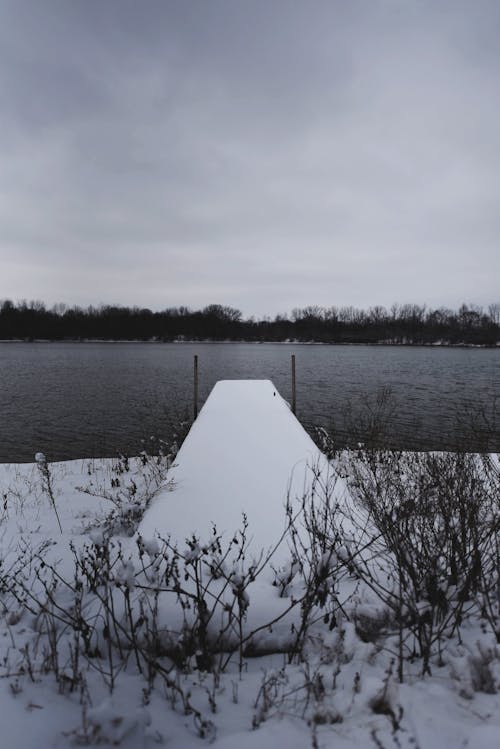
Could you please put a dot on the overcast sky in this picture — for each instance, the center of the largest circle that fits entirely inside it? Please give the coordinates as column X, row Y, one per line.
column 265, row 154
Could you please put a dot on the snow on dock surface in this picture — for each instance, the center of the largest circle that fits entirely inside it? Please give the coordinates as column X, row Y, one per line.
column 244, row 453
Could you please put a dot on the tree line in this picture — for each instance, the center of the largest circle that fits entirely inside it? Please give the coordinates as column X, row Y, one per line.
column 401, row 324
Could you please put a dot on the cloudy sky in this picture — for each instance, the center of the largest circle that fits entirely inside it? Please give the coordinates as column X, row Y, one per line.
column 265, row 154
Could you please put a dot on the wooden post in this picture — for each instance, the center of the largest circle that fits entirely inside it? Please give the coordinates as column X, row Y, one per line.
column 195, row 392
column 294, row 391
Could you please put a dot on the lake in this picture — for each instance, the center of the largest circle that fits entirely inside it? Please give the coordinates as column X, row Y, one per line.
column 72, row 400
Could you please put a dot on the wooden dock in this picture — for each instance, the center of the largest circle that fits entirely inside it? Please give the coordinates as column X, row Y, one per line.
column 244, row 453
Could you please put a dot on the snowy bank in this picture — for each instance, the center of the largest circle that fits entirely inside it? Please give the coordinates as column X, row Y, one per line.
column 109, row 636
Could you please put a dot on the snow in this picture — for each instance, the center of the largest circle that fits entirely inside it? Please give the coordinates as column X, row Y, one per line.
column 245, row 453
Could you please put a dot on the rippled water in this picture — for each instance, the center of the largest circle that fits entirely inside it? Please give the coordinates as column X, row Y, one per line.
column 81, row 399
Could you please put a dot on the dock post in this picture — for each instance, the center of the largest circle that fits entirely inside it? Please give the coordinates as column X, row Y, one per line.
column 195, row 391
column 294, row 391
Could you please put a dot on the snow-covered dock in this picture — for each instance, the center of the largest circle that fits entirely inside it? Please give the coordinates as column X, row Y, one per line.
column 245, row 453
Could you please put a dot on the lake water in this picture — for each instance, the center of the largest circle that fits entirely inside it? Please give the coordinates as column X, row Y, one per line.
column 73, row 400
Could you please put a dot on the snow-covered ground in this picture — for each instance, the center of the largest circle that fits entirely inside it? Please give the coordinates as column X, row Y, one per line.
column 62, row 685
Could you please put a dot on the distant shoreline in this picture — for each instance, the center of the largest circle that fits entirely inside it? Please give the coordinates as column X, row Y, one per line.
column 435, row 344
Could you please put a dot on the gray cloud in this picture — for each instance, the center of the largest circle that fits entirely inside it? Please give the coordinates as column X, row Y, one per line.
column 265, row 155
